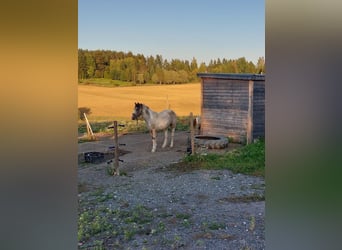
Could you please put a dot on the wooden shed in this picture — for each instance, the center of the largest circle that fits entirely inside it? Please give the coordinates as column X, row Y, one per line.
column 233, row 105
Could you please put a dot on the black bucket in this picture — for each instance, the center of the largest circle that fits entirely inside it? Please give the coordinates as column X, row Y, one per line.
column 93, row 157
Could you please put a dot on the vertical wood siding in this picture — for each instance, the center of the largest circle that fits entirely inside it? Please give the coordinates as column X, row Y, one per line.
column 259, row 109
column 225, row 108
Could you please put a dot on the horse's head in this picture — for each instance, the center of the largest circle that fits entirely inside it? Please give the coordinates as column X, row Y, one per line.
column 137, row 112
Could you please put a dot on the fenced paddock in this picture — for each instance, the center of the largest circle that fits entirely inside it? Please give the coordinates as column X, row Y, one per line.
column 233, row 105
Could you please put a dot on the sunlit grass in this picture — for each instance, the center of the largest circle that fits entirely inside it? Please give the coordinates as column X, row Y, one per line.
column 249, row 159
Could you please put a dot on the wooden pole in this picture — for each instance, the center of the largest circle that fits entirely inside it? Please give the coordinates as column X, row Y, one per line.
column 116, row 149
column 192, row 133
column 89, row 130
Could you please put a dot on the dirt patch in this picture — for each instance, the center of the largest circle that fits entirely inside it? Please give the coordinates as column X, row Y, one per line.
column 154, row 206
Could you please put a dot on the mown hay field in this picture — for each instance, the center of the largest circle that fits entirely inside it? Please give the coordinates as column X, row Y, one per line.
column 117, row 103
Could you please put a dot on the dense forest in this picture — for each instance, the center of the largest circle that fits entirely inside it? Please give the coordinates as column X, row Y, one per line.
column 140, row 69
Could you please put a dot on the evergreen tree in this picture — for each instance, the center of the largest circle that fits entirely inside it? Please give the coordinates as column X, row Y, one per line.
column 91, row 66
column 82, row 65
column 260, row 67
column 118, row 65
column 202, row 68
column 193, row 65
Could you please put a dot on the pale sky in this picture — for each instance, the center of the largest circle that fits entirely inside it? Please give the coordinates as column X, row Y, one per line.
column 177, row 29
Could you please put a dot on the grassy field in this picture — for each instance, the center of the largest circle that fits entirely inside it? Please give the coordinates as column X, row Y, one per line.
column 103, row 82
column 117, row 103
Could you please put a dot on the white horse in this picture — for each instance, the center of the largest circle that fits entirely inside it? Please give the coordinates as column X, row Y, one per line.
column 156, row 121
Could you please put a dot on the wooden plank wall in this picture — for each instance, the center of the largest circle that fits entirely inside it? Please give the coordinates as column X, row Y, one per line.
column 259, row 109
column 225, row 105
column 225, row 108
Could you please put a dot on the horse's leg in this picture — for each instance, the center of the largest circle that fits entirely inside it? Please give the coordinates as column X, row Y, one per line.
column 165, row 138
column 172, row 135
column 154, row 142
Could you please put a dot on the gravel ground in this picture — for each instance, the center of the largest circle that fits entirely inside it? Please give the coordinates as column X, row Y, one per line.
column 156, row 206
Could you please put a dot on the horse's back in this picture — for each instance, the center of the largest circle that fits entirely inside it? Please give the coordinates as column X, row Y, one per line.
column 167, row 118
column 172, row 115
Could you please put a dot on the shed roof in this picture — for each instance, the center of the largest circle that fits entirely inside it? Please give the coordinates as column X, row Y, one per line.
column 246, row 77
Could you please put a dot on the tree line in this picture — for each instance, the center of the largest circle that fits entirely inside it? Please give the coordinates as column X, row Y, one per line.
column 118, row 65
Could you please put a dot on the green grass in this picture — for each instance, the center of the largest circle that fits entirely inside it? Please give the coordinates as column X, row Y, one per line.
column 97, row 127
column 92, row 223
column 99, row 222
column 249, row 159
column 102, row 126
column 103, row 82
column 129, row 126
column 183, row 216
column 216, row 225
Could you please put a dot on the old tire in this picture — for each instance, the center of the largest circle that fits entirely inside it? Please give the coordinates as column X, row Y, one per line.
column 211, row 141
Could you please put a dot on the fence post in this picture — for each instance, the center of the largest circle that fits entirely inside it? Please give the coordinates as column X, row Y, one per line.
column 116, row 149
column 192, row 133
column 89, row 130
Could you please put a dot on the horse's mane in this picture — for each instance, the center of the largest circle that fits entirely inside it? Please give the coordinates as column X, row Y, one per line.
column 145, row 106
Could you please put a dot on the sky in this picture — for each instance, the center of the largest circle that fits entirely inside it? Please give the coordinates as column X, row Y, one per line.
column 175, row 29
